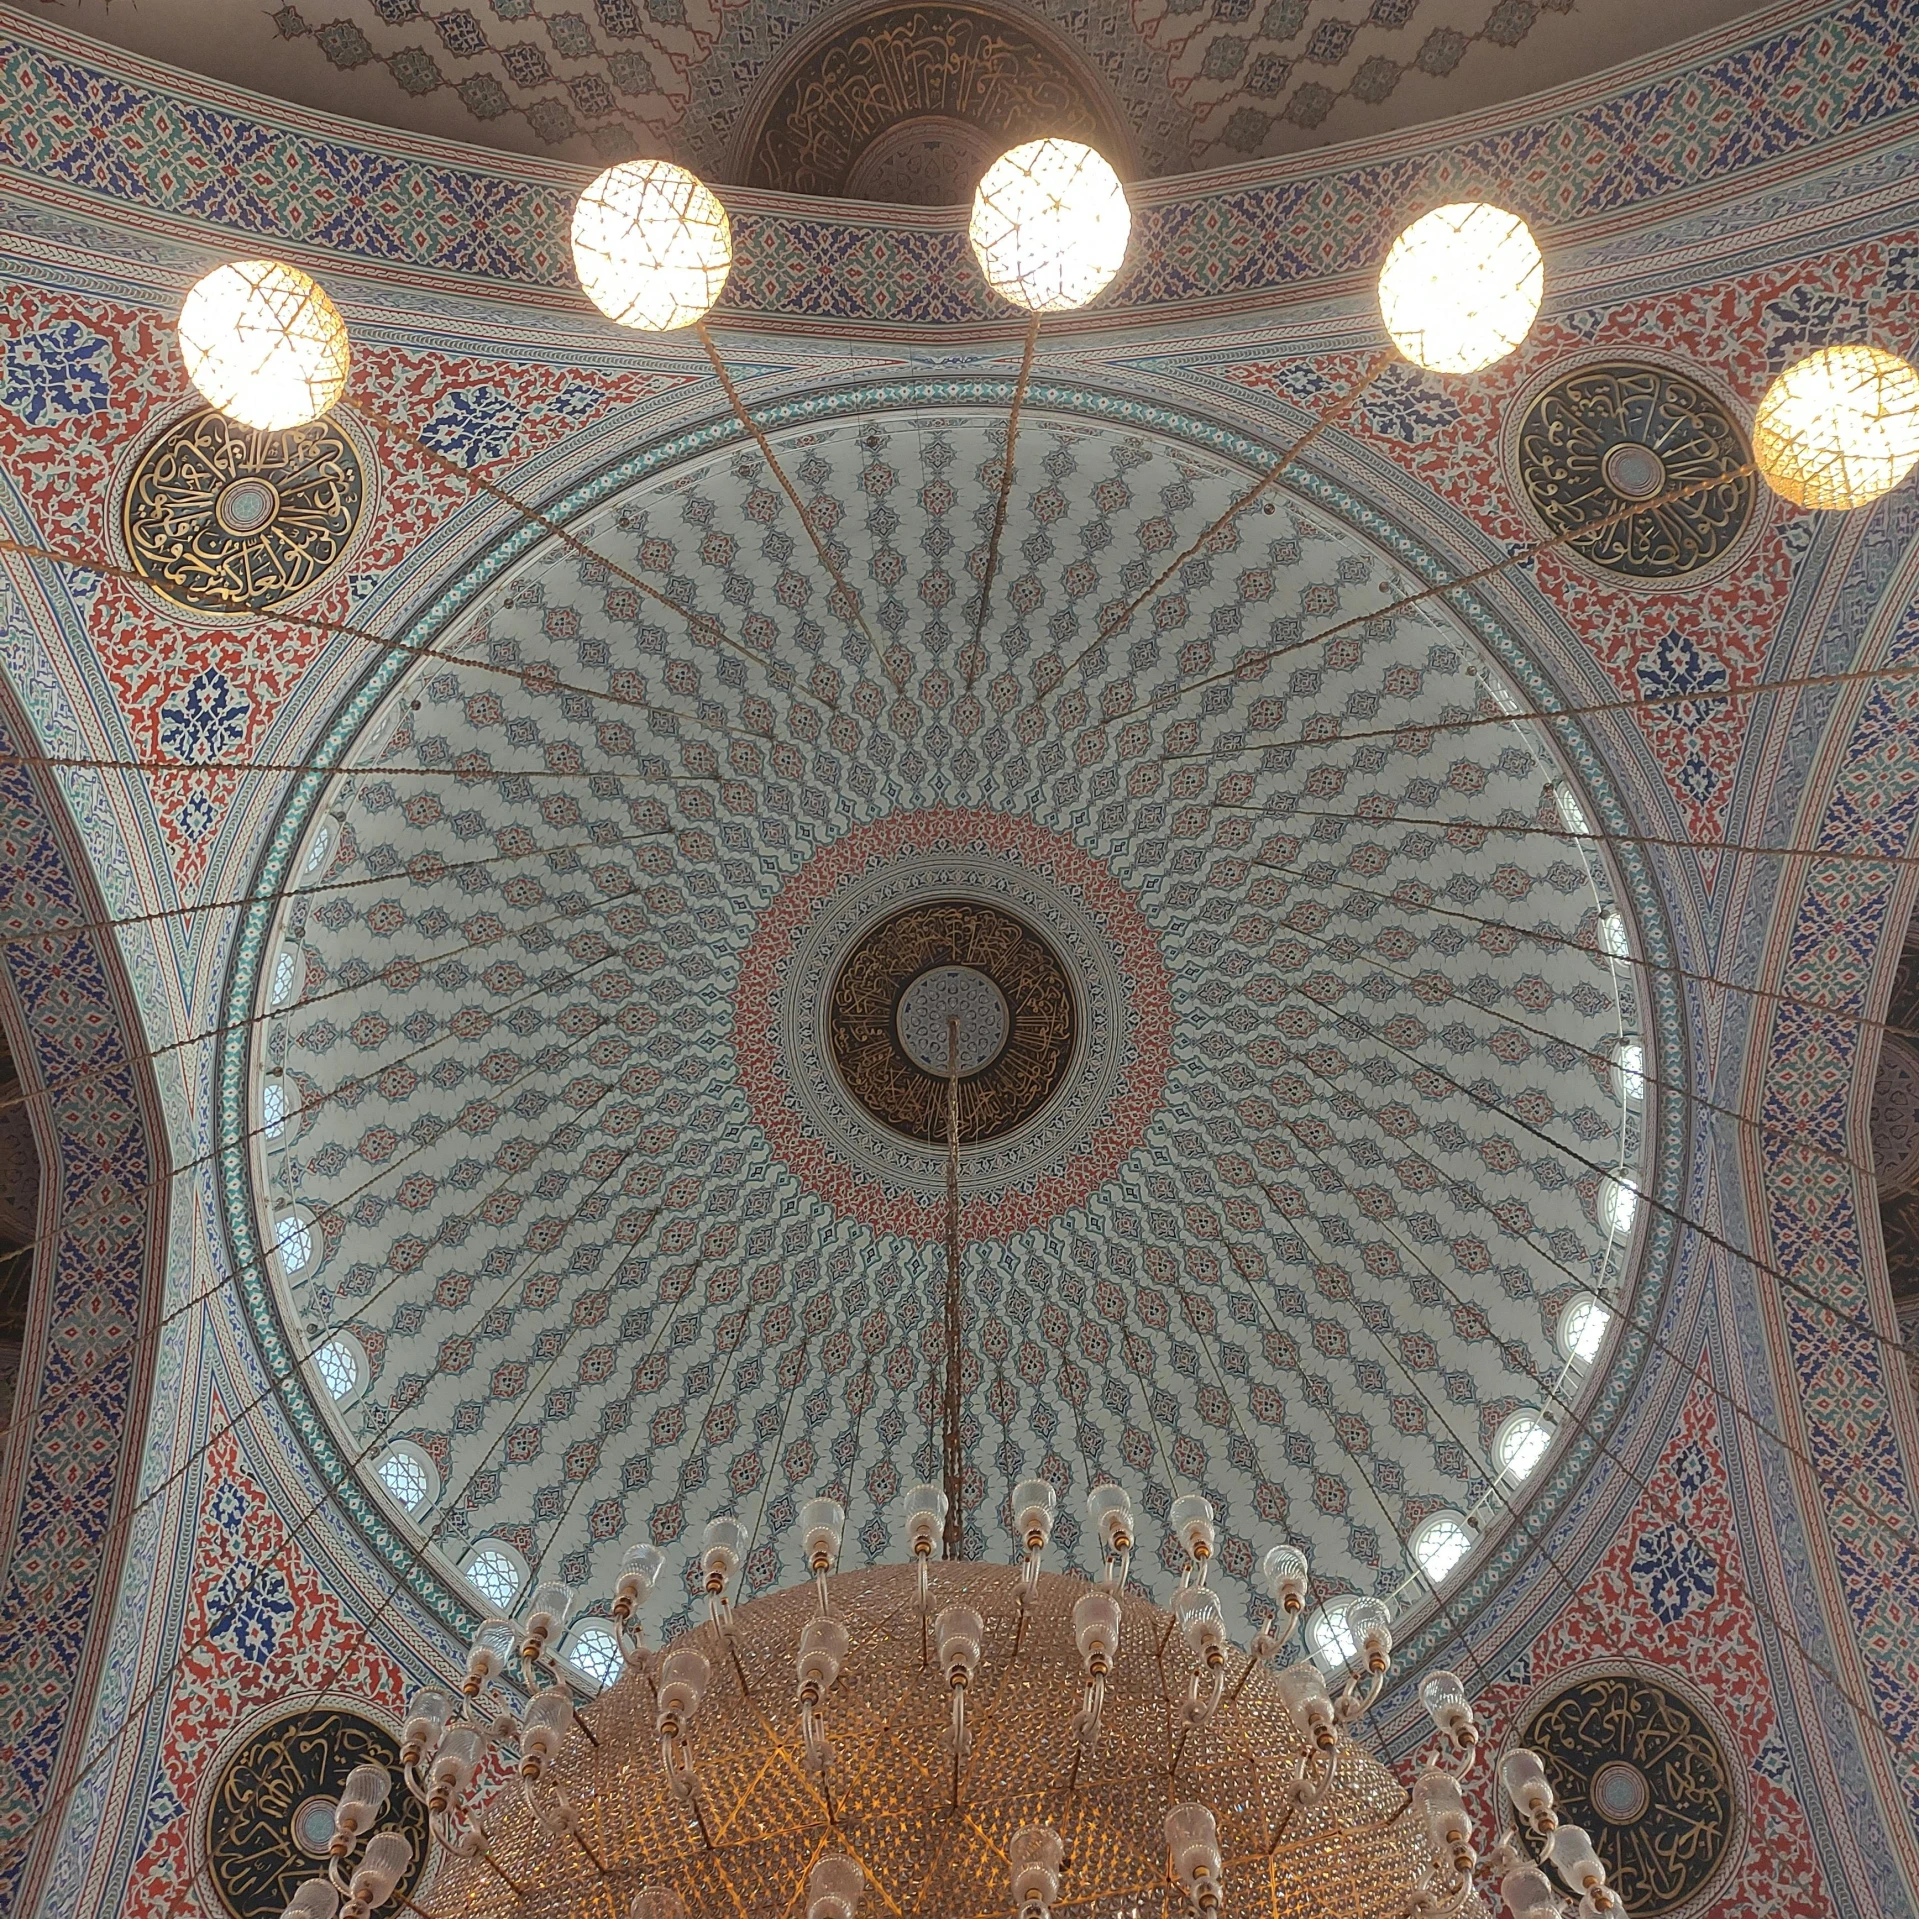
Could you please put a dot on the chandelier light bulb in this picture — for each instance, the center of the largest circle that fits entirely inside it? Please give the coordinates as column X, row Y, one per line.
column 1839, row 428
column 1050, row 225
column 652, row 245
column 264, row 344
column 1461, row 286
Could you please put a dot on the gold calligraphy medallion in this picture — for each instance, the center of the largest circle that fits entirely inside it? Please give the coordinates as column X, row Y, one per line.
column 1597, row 442
column 963, row 959
column 223, row 518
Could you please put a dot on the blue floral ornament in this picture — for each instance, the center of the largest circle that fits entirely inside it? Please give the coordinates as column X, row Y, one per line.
column 54, row 374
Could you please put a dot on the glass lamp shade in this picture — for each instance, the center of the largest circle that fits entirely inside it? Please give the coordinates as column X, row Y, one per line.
column 1839, row 428
column 652, row 245
column 1460, row 287
column 264, row 344
column 1050, row 225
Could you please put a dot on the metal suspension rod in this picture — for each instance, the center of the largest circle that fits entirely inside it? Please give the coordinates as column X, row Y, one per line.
column 952, row 1464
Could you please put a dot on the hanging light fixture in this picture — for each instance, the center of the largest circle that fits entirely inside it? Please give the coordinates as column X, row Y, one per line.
column 1050, row 225
column 264, row 344
column 1461, row 286
column 806, row 1752
column 652, row 245
column 1839, row 428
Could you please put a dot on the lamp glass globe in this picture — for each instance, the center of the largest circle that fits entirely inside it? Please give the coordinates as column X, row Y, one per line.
column 1839, row 428
column 652, row 245
column 1461, row 286
column 264, row 344
column 1050, row 225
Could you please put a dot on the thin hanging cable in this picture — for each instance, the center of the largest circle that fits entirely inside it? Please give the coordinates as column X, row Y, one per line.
column 1116, row 622
column 1435, row 990
column 1705, row 1232
column 1642, row 1483
column 1027, row 352
column 1253, row 663
column 1470, row 1202
column 952, row 1457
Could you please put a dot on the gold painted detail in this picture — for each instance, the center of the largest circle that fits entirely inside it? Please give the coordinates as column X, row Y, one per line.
column 1605, row 438
column 864, row 1032
column 1635, row 1766
column 913, row 102
column 1352, row 1853
column 273, row 1802
column 225, row 519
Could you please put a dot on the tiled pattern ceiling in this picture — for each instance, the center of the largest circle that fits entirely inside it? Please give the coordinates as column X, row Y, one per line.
column 1199, row 82
column 1325, row 1266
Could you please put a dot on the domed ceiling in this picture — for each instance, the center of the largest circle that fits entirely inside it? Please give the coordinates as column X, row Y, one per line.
column 615, row 1005
column 897, row 101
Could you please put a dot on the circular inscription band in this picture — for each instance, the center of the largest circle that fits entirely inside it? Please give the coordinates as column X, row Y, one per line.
column 842, row 1011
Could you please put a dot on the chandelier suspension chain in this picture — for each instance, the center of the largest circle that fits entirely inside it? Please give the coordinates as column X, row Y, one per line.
column 1516, row 1353
column 1546, row 937
column 1481, row 831
column 259, row 1265
column 1257, row 660
column 1029, row 348
column 1117, row 622
column 136, row 1709
column 1705, row 1232
column 207, row 1158
column 1606, row 1062
column 1643, row 1483
column 844, row 600
column 952, row 1458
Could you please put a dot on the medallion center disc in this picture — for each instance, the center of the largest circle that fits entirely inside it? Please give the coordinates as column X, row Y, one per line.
column 941, row 998
column 909, row 976
column 245, row 505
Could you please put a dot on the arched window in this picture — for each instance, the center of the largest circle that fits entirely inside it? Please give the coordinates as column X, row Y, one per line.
column 1521, row 1444
column 343, row 1369
column 286, row 975
column 1326, row 1632
column 1582, row 1328
column 495, row 1570
column 273, row 1106
column 1618, row 1205
column 409, row 1476
column 1630, row 1065
column 295, row 1240
column 1440, row 1544
column 317, row 852
column 594, row 1651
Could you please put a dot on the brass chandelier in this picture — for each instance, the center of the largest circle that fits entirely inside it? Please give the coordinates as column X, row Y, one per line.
column 950, row 1738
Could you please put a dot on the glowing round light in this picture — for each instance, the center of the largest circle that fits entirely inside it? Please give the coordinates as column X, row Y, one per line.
column 651, row 244
column 1839, row 428
column 1050, row 225
column 1460, row 287
column 264, row 344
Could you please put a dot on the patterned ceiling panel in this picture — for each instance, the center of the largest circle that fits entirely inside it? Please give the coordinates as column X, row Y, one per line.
column 1195, row 85
column 613, row 1271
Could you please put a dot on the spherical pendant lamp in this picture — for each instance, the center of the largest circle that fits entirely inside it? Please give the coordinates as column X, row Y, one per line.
column 1050, row 225
column 1839, row 428
column 652, row 245
column 1460, row 287
column 264, row 344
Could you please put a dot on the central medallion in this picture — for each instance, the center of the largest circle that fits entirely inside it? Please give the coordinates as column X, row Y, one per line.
column 907, row 980
column 845, row 1002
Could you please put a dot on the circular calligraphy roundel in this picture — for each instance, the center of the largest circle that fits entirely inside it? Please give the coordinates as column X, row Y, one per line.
column 1639, row 1769
column 1601, row 441
column 846, row 1002
column 958, row 967
column 222, row 518
column 270, row 1810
